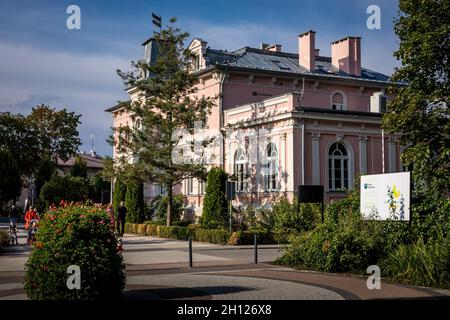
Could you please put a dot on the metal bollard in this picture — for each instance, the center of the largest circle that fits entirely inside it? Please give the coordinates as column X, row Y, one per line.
column 255, row 242
column 190, row 252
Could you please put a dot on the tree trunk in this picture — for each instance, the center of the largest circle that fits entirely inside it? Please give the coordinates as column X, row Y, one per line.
column 169, row 205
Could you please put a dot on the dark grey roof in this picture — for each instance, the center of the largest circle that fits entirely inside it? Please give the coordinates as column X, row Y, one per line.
column 257, row 59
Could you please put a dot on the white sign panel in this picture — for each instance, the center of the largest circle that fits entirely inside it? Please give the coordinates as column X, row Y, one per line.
column 386, row 196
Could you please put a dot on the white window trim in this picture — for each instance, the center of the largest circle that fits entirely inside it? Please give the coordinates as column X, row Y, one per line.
column 240, row 170
column 339, row 106
column 350, row 166
column 271, row 173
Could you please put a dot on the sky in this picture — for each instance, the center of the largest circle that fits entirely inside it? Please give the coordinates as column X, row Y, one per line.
column 43, row 62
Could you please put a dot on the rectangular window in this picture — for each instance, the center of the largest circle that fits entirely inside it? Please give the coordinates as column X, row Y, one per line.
column 190, row 186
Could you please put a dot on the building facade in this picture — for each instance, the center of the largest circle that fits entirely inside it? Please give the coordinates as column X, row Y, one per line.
column 288, row 119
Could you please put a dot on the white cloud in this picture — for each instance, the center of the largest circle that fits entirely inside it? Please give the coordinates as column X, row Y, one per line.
column 85, row 84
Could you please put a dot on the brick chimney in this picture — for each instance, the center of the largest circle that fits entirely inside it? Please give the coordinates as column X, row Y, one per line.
column 306, row 51
column 274, row 48
column 346, row 55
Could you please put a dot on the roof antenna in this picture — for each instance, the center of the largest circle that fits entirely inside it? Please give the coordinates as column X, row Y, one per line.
column 92, row 146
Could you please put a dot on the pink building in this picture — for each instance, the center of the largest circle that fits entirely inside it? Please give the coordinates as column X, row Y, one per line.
column 292, row 119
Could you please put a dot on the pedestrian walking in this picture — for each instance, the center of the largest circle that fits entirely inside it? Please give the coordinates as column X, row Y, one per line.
column 121, row 218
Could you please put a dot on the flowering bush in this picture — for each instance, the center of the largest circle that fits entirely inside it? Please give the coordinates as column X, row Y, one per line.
column 80, row 236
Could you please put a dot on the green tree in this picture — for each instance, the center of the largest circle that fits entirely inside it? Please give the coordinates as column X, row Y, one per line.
column 57, row 131
column 120, row 190
column 20, row 140
column 134, row 202
column 66, row 188
column 215, row 209
column 79, row 168
column 10, row 178
column 158, row 208
column 45, row 132
column 420, row 110
column 44, row 173
column 99, row 188
column 166, row 104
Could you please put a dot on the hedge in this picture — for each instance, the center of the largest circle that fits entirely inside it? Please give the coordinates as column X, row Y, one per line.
column 215, row 236
column 80, row 236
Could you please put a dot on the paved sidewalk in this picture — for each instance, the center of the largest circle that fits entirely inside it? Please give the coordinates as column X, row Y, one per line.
column 158, row 269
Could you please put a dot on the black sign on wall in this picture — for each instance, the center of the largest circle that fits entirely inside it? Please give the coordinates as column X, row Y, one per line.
column 310, row 194
column 231, row 190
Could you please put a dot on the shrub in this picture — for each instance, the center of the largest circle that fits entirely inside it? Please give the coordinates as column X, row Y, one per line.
column 420, row 263
column 79, row 168
column 66, row 188
column 343, row 208
column 215, row 208
column 158, row 208
column 44, row 173
column 3, row 238
column 134, row 202
column 350, row 245
column 216, row 236
column 120, row 190
column 247, row 237
column 289, row 220
column 74, row 235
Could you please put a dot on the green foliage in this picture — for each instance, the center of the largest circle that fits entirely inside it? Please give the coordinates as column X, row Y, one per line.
column 158, row 208
column 79, row 168
column 420, row 263
column 287, row 219
column 10, row 179
column 247, row 237
column 416, row 254
column 80, row 236
column 419, row 111
column 216, row 236
column 168, row 107
column 120, row 190
column 45, row 132
column 134, row 201
column 66, row 188
column 3, row 239
column 348, row 246
column 342, row 208
column 215, row 209
column 44, row 173
column 99, row 188
column 194, row 231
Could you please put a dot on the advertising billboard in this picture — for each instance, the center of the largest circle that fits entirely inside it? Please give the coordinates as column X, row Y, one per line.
column 386, row 196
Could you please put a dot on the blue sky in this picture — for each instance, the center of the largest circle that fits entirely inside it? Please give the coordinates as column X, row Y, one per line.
column 44, row 62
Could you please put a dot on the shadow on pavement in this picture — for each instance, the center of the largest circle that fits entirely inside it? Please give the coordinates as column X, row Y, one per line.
column 137, row 292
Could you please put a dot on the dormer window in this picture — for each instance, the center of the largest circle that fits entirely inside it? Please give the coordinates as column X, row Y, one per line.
column 196, row 62
column 338, row 101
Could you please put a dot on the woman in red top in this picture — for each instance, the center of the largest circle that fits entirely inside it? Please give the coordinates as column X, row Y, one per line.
column 30, row 215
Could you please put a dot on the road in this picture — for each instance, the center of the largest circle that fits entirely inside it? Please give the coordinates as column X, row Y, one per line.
column 158, row 269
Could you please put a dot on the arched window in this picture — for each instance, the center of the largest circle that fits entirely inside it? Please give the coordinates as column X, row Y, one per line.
column 239, row 169
column 338, row 167
column 272, row 167
column 338, row 101
column 137, row 124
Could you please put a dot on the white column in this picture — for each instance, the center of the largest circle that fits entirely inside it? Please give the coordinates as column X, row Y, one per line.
column 363, row 154
column 392, row 155
column 315, row 154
